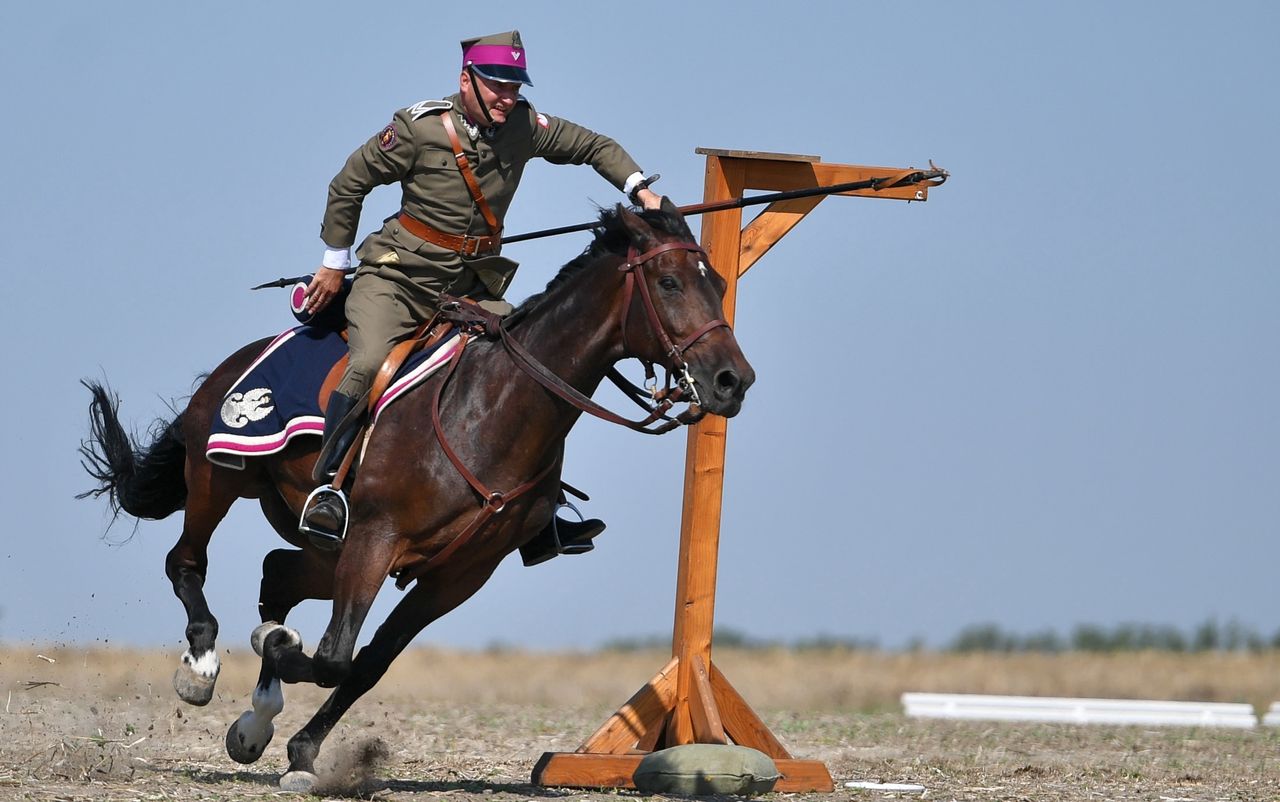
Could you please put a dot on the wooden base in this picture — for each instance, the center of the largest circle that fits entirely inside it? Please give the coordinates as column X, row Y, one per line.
column 576, row 770
column 716, row 713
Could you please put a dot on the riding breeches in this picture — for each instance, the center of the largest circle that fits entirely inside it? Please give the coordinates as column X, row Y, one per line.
column 385, row 306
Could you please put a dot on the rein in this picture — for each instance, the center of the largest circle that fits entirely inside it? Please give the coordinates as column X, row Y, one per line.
column 679, row 367
column 478, row 321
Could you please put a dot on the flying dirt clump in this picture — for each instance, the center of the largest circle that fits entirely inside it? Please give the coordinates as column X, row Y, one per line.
column 354, row 771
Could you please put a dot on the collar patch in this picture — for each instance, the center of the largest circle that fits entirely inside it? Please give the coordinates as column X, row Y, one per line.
column 427, row 107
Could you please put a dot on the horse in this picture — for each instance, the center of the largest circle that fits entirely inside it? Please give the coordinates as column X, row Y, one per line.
column 423, row 507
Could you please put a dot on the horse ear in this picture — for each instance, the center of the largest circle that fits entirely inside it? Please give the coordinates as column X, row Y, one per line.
column 637, row 229
column 674, row 212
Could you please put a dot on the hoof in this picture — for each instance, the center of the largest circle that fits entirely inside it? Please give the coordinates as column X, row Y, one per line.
column 244, row 745
column 260, row 633
column 195, row 678
column 300, row 782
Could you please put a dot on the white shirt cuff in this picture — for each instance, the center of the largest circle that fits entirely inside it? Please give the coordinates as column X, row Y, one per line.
column 630, row 185
column 337, row 258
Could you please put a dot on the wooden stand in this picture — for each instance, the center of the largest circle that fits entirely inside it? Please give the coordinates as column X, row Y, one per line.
column 689, row 700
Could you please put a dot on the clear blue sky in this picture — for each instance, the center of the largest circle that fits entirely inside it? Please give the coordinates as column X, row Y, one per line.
column 1048, row 396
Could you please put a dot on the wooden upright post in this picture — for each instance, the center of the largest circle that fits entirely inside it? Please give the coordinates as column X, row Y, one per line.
column 689, row 700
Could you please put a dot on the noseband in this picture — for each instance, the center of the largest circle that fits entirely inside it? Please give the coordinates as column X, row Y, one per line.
column 674, row 352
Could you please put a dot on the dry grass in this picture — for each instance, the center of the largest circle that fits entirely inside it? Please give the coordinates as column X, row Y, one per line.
column 770, row 679
column 471, row 725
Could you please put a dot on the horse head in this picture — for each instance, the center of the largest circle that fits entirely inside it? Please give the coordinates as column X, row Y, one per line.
column 672, row 311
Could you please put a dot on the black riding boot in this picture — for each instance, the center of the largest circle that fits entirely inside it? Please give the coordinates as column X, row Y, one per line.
column 325, row 521
column 561, row 536
column 340, row 425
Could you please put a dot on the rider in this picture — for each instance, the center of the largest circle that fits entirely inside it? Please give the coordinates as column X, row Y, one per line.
column 445, row 238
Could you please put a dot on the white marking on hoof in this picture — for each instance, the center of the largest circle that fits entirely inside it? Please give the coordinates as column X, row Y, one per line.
column 264, row 629
column 269, row 701
column 248, row 737
column 298, row 781
column 195, row 677
column 206, row 665
column 251, row 733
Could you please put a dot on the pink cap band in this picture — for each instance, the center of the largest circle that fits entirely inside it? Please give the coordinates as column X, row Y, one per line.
column 494, row 54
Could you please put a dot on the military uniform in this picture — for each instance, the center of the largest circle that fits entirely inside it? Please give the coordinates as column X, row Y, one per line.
column 445, row 238
column 401, row 275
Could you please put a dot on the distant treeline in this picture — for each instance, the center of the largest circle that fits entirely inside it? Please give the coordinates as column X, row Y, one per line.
column 1210, row 636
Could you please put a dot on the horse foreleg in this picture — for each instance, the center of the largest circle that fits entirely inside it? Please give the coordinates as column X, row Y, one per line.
column 186, row 566
column 429, row 599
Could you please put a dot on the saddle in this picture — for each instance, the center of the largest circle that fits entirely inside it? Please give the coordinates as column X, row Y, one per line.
column 454, row 313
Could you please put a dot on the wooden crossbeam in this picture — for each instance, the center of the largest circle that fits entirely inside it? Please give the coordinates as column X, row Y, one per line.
column 644, row 711
column 770, row 226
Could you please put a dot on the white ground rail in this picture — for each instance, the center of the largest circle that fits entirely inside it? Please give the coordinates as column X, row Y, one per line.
column 1272, row 718
column 1081, row 711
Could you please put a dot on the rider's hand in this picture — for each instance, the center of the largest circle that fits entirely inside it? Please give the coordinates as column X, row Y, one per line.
column 323, row 288
column 649, row 199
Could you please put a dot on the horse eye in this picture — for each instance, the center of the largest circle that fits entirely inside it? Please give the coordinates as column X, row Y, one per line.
column 669, row 283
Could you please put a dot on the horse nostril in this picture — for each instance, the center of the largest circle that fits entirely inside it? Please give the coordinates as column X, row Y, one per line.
column 727, row 382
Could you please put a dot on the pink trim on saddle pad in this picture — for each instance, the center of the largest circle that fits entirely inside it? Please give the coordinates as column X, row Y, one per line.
column 276, row 344
column 238, row 446
column 269, row 402
column 429, row 365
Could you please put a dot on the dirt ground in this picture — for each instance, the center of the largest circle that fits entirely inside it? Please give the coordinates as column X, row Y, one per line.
column 99, row 725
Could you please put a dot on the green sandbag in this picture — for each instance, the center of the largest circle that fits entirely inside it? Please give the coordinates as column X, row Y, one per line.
column 705, row 769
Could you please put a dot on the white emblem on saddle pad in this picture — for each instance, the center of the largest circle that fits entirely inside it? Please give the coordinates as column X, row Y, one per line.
column 241, row 409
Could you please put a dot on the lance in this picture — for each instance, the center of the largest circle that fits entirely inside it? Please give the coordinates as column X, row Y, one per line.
column 931, row 177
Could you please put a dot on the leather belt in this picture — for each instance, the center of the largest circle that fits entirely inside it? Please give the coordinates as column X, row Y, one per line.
column 462, row 244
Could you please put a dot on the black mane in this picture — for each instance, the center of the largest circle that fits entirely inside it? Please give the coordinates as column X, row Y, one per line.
column 611, row 238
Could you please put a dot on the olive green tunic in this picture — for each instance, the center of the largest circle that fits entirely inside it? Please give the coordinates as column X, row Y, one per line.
column 400, row 276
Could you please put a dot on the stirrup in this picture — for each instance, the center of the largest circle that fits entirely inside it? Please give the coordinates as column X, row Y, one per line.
column 320, row 538
column 549, row 542
column 568, row 548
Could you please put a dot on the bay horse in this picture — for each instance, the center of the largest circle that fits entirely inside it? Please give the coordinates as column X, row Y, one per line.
column 641, row 289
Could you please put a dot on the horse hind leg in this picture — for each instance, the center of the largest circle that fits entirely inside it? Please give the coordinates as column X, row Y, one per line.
column 153, row 483
column 186, row 565
column 354, row 584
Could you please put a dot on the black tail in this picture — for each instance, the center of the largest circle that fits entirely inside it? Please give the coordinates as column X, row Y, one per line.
column 146, row 483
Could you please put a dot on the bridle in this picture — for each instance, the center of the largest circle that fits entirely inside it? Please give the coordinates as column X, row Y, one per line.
column 634, row 268
column 659, row 401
